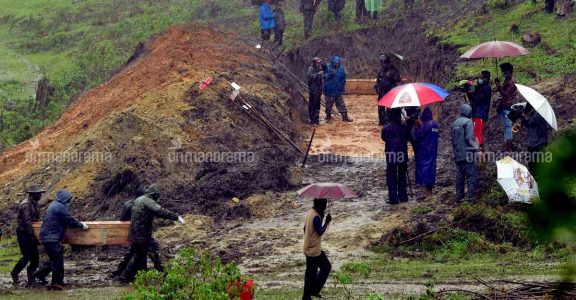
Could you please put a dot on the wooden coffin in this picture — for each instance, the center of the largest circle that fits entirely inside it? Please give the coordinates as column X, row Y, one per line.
column 360, row 87
column 99, row 233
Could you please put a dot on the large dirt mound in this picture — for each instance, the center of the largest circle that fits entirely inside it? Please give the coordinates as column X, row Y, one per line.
column 149, row 124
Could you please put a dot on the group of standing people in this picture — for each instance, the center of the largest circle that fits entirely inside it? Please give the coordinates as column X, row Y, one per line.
column 330, row 80
column 272, row 19
column 140, row 211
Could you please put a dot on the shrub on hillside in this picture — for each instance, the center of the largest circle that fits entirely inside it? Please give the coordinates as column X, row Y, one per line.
column 190, row 275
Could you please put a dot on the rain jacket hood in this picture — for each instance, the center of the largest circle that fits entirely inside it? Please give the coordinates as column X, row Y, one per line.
column 426, row 115
column 153, row 192
column 64, row 197
column 465, row 111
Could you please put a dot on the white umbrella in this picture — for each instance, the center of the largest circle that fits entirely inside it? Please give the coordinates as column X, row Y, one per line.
column 540, row 104
column 516, row 181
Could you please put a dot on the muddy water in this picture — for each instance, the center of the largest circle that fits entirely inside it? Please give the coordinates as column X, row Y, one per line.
column 360, row 139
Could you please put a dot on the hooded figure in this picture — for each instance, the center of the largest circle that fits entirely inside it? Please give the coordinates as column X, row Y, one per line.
column 334, row 87
column 426, row 139
column 153, row 246
column 538, row 131
column 28, row 212
column 267, row 23
column 395, row 136
column 465, row 148
column 388, row 78
column 56, row 219
column 144, row 211
column 317, row 264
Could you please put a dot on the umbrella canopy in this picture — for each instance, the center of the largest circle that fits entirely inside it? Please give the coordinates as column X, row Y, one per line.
column 540, row 104
column 516, row 181
column 327, row 190
column 495, row 49
column 413, row 94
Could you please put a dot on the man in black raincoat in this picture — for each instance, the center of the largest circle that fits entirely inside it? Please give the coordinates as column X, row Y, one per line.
column 395, row 136
column 153, row 246
column 144, row 210
column 388, row 77
column 28, row 212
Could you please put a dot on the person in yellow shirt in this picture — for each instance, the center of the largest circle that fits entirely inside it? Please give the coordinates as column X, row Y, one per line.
column 317, row 264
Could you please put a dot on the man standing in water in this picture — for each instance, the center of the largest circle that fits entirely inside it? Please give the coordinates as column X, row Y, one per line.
column 315, row 258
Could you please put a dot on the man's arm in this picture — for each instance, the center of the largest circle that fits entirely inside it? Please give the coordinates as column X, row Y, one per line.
column 69, row 219
column 318, row 225
column 159, row 211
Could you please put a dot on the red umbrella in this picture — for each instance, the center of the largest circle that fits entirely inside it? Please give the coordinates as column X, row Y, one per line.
column 326, row 190
column 495, row 49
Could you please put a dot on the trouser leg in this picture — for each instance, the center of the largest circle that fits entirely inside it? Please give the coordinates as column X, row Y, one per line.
column 308, row 23
column 402, row 179
column 460, row 176
column 325, row 268
column 154, row 255
column 278, row 36
column 310, row 277
column 55, row 252
column 382, row 115
column 124, row 263
column 472, row 180
column 392, row 182
column 314, row 107
column 138, row 261
column 329, row 105
column 24, row 244
column 507, row 124
column 340, row 105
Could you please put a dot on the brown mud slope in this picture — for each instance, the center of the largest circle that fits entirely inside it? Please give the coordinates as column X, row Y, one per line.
column 149, row 124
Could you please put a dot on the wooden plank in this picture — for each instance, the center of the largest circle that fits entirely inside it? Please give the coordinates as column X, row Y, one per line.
column 99, row 233
column 360, row 87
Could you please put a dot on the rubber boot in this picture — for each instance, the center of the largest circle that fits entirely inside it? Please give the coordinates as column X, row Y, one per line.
column 328, row 118
column 345, row 118
column 31, row 282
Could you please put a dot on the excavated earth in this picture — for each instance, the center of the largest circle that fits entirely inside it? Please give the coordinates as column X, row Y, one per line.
column 149, row 124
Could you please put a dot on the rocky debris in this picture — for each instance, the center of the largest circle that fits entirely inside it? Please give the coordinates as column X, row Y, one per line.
column 531, row 39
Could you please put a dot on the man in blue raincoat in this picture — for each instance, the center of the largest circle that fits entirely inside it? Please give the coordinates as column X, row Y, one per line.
column 267, row 23
column 426, row 140
column 395, row 136
column 334, row 87
column 56, row 219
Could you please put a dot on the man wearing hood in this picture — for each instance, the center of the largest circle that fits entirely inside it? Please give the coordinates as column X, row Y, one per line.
column 317, row 264
column 153, row 246
column 334, row 87
column 144, row 210
column 388, row 78
column 426, row 150
column 56, row 219
column 395, row 136
column 465, row 148
column 28, row 212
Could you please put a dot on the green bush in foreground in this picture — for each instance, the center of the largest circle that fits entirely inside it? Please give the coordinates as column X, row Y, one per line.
column 190, row 275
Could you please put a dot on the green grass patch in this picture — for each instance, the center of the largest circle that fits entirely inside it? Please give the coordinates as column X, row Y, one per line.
column 9, row 253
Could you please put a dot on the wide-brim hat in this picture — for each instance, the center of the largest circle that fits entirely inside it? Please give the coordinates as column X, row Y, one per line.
column 35, row 188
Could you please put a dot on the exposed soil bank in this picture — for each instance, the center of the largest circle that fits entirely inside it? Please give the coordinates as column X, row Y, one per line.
column 148, row 124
